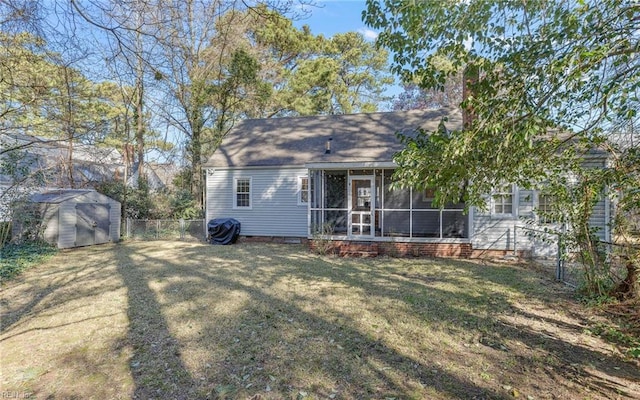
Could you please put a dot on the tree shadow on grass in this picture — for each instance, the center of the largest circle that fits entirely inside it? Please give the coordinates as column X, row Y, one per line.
column 54, row 294
column 577, row 363
column 156, row 365
column 273, row 347
column 482, row 312
column 257, row 332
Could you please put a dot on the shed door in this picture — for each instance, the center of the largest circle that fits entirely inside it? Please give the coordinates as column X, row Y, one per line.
column 92, row 224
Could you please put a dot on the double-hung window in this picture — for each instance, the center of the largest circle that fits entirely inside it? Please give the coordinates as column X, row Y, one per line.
column 242, row 193
column 303, row 190
column 545, row 208
column 502, row 201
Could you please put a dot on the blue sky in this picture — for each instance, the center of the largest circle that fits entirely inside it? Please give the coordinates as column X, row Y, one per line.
column 337, row 16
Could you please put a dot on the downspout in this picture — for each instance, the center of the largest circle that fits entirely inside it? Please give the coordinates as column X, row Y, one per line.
column 470, row 226
column 411, row 214
column 309, row 200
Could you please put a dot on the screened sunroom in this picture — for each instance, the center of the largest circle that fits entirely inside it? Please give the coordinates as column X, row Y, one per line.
column 360, row 204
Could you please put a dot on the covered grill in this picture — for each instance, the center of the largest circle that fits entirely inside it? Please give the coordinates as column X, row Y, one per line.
column 223, row 230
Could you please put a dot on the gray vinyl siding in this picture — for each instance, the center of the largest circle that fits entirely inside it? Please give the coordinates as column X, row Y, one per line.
column 598, row 219
column 114, row 219
column 509, row 232
column 67, row 222
column 537, row 243
column 49, row 214
column 274, row 201
column 492, row 232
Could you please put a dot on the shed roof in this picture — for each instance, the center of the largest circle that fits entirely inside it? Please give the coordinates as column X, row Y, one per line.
column 301, row 140
column 59, row 196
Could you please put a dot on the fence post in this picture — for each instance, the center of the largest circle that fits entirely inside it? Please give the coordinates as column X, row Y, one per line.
column 559, row 259
column 181, row 229
column 204, row 228
column 560, row 267
column 128, row 227
column 515, row 241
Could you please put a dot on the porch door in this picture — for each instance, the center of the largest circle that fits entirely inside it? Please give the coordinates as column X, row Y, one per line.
column 361, row 197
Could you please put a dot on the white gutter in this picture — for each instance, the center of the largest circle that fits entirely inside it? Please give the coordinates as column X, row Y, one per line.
column 351, row 165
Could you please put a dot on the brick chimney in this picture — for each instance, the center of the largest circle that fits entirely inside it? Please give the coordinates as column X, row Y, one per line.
column 470, row 77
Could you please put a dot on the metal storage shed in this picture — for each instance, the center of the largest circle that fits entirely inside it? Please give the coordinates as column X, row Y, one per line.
column 74, row 218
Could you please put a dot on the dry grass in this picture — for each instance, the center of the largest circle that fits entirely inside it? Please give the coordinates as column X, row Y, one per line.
column 192, row 321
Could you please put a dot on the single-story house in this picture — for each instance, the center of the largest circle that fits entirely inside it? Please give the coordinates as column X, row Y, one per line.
column 328, row 177
column 42, row 164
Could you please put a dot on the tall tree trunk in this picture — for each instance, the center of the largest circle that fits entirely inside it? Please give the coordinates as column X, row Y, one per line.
column 140, row 107
column 196, row 164
column 69, row 162
column 629, row 288
column 633, row 279
column 69, row 128
column 140, row 126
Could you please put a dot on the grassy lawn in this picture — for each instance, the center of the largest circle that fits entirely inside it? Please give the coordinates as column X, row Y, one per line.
column 182, row 320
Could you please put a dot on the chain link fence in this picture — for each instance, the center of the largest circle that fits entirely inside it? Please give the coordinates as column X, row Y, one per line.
column 563, row 260
column 166, row 229
column 559, row 262
column 549, row 252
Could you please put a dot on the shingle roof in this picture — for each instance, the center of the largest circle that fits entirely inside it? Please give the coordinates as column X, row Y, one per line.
column 58, row 196
column 301, row 140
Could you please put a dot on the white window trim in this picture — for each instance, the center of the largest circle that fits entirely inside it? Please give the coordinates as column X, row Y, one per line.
column 299, row 193
column 235, row 193
column 514, row 204
column 536, row 207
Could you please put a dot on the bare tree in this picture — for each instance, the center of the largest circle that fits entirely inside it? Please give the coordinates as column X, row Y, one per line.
column 205, row 72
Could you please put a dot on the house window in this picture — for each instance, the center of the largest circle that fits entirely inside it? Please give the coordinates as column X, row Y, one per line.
column 242, row 193
column 545, row 208
column 503, row 201
column 303, row 190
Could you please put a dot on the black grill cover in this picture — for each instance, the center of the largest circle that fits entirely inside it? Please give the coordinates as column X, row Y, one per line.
column 223, row 230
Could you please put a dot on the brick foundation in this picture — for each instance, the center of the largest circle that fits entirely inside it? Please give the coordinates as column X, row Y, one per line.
column 352, row 248
column 347, row 248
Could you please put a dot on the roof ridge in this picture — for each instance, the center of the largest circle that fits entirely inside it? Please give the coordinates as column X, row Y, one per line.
column 443, row 110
